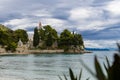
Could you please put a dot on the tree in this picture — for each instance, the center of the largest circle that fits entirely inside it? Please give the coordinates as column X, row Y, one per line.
column 42, row 34
column 65, row 38
column 69, row 40
column 20, row 34
column 11, row 46
column 49, row 35
column 6, row 39
column 36, row 38
column 49, row 40
column 77, row 40
column 10, row 38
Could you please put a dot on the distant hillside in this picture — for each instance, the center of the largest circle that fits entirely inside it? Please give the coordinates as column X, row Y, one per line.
column 4, row 28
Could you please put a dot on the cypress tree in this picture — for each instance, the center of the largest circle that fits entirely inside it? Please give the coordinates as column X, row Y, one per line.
column 36, row 38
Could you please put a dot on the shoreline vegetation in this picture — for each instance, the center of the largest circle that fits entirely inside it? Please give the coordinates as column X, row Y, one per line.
column 45, row 40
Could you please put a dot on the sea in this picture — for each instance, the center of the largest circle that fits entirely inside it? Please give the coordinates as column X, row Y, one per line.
column 51, row 66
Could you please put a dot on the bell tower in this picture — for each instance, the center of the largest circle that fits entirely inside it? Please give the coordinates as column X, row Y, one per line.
column 39, row 25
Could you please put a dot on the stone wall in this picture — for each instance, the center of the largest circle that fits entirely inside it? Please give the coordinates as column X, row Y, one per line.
column 2, row 50
column 46, row 51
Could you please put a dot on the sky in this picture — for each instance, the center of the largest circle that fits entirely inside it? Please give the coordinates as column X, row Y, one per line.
column 97, row 20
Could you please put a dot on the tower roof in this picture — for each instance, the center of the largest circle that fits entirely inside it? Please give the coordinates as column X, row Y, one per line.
column 40, row 25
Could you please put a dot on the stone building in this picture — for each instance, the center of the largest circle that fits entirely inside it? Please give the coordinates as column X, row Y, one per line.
column 30, row 44
column 21, row 48
column 2, row 50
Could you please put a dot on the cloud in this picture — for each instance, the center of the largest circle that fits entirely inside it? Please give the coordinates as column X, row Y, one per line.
column 99, row 24
column 52, row 21
column 28, row 23
column 41, row 13
column 94, row 19
column 100, row 44
column 113, row 7
column 20, row 23
column 89, row 12
column 88, row 18
column 75, row 3
column 80, row 13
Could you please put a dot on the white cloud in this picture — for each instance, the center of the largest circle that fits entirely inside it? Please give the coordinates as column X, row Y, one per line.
column 39, row 13
column 31, row 22
column 92, row 25
column 74, row 3
column 80, row 13
column 97, row 25
column 52, row 21
column 58, row 24
column 100, row 43
column 16, row 22
column 20, row 23
column 114, row 7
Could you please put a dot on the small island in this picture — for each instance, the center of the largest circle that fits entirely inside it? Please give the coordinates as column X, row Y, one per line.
column 44, row 40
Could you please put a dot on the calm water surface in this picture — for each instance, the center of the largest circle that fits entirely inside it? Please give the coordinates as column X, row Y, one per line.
column 48, row 66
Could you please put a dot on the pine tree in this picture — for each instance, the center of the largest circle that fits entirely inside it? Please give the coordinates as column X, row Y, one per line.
column 36, row 38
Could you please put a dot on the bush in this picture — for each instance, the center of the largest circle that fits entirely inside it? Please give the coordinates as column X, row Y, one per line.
column 11, row 47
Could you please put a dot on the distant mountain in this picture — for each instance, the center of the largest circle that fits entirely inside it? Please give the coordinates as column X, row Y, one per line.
column 4, row 28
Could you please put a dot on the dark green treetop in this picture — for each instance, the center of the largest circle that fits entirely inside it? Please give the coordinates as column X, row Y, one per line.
column 21, row 34
column 49, row 35
column 67, row 39
column 7, row 39
column 10, row 38
column 36, row 37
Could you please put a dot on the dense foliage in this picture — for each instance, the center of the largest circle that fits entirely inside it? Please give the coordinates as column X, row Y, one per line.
column 48, row 36
column 65, row 38
column 21, row 34
column 6, row 38
column 36, row 38
column 4, row 28
column 10, row 38
column 68, row 39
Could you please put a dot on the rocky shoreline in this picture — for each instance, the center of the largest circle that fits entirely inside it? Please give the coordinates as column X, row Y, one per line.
column 44, row 51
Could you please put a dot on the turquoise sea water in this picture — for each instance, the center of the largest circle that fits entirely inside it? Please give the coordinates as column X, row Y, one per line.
column 48, row 66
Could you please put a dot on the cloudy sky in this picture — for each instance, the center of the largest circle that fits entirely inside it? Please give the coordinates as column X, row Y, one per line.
column 97, row 20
